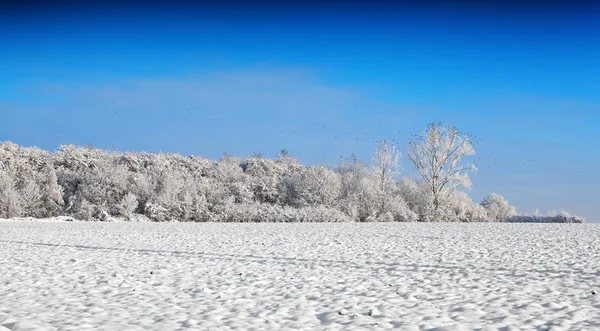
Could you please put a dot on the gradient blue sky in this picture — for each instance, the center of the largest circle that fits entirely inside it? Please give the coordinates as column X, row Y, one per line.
column 321, row 82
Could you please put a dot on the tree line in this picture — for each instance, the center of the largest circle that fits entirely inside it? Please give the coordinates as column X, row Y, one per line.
column 91, row 184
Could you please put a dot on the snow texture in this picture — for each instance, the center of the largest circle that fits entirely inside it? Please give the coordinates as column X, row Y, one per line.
column 58, row 275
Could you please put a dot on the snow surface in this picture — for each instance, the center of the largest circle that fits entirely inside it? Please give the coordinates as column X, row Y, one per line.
column 169, row 276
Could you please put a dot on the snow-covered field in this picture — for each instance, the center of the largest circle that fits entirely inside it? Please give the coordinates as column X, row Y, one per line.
column 171, row 276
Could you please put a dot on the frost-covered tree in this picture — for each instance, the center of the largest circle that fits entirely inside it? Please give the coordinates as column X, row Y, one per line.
column 385, row 167
column 53, row 194
column 436, row 155
column 128, row 205
column 264, row 175
column 92, row 184
column 358, row 193
column 230, row 181
column 23, row 184
column 460, row 208
column 32, row 199
column 285, row 157
column 312, row 186
column 417, row 197
column 551, row 217
column 399, row 210
column 91, row 175
column 10, row 199
column 497, row 207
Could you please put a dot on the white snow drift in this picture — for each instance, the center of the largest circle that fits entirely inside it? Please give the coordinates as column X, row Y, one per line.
column 57, row 275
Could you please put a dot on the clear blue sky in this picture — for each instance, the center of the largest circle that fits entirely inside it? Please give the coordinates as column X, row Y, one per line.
column 322, row 82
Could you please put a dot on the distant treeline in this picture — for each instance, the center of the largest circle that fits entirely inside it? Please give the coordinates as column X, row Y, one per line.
column 91, row 184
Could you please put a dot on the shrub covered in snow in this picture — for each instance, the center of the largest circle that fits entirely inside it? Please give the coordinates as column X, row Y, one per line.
column 497, row 207
column 91, row 184
column 255, row 212
column 562, row 217
column 460, row 208
column 311, row 186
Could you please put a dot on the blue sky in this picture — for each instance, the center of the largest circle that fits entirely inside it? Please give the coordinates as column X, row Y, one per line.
column 322, row 83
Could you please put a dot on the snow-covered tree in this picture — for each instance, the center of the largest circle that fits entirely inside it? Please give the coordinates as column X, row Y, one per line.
column 10, row 199
column 32, row 199
column 264, row 175
column 313, row 186
column 399, row 210
column 551, row 217
column 284, row 157
column 128, row 205
column 53, row 193
column 358, row 192
column 92, row 184
column 497, row 207
column 436, row 155
column 417, row 197
column 385, row 167
column 460, row 208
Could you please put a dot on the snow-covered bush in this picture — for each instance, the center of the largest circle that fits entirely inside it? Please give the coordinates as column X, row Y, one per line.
column 457, row 206
column 497, row 207
column 417, row 198
column 256, row 212
column 83, row 210
column 399, row 210
column 321, row 214
column 264, row 176
column 381, row 217
column 92, row 175
column 358, row 190
column 128, row 205
column 91, row 184
column 158, row 213
column 460, row 208
column 253, row 212
column 32, row 199
column 561, row 217
column 312, row 186
column 24, row 187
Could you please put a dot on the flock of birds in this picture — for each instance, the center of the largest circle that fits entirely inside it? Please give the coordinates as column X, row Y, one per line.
column 360, row 133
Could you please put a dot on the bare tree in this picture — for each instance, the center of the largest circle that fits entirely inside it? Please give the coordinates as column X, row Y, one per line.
column 385, row 168
column 436, row 155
